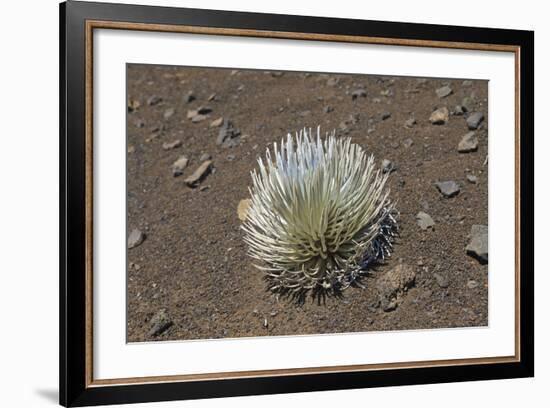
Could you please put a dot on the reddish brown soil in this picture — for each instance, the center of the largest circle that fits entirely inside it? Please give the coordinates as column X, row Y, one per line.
column 193, row 262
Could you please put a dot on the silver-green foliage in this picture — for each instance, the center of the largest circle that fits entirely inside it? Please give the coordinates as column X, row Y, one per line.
column 320, row 214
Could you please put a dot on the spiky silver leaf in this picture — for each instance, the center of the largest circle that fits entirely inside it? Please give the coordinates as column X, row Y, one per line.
column 320, row 214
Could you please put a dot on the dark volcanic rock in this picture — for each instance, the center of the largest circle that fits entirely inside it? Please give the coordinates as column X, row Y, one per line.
column 474, row 120
column 468, row 143
column 227, row 133
column 179, row 165
column 448, row 188
column 204, row 110
column 201, row 111
column 202, row 171
column 409, row 123
column 135, row 239
column 189, row 97
column 443, row 91
column 478, row 247
column 392, row 286
column 154, row 100
column 387, row 166
column 468, row 104
column 458, row 110
column 358, row 93
column 160, row 322
column 424, row 220
column 171, row 145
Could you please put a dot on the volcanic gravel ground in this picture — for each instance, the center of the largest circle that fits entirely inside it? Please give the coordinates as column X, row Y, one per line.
column 191, row 277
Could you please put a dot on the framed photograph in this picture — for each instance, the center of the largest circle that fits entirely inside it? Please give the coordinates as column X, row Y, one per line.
column 256, row 203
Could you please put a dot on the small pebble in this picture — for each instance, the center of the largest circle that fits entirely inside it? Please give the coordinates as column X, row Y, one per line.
column 468, row 143
column 478, row 246
column 333, row 81
column 171, row 145
column 135, row 239
column 424, row 220
column 474, row 120
column 439, row 116
column 200, row 173
column 409, row 123
column 189, row 97
column 217, row 122
column 160, row 322
column 199, row 118
column 441, row 280
column 443, row 91
column 168, row 113
column 458, row 110
column 179, row 165
column 358, row 93
column 472, row 284
column 154, row 100
column 448, row 188
column 387, row 166
column 468, row 104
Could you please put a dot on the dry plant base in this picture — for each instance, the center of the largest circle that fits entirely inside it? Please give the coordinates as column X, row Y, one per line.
column 380, row 248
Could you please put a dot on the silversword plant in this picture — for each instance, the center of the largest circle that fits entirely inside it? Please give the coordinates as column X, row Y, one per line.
column 320, row 215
